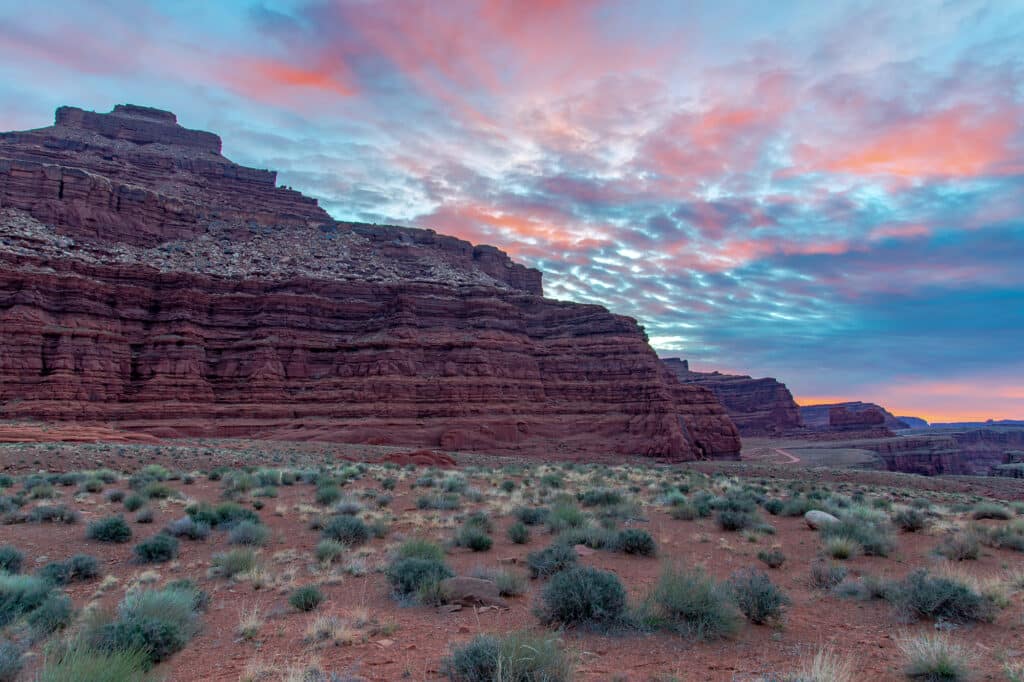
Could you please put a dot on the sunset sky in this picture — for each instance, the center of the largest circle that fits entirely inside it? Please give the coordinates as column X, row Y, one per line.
column 831, row 193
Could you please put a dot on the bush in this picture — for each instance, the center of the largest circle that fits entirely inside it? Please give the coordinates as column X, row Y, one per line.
column 305, row 598
column 11, row 559
column 115, row 496
column 329, row 550
column 550, row 560
column 690, row 603
column 473, row 537
column 419, row 548
column 875, row 537
column 328, row 495
column 1008, row 536
column 515, row 657
column 234, row 562
column 758, row 599
column 21, row 594
column 187, row 527
column 732, row 520
column 637, row 541
column 935, row 658
column 774, row 506
column 519, row 533
column 414, row 575
column 442, row 502
column 156, row 549
column 81, row 662
column 10, row 661
column 55, row 613
column 842, row 548
column 145, row 515
column 249, row 533
column 158, row 622
column 583, row 596
column 110, row 529
column 565, row 515
column 224, row 515
column 83, row 567
column 604, row 497
column 55, row 573
column 773, row 558
column 825, row 575
column 962, row 545
column 134, row 502
column 921, row 595
column 910, row 520
column 48, row 513
column 347, row 529
column 992, row 510
column 532, row 516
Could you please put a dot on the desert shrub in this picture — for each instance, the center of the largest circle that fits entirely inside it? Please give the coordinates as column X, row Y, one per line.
column 233, row 562
column 551, row 560
column 420, row 548
column 604, row 497
column 758, row 598
column 583, row 596
column 81, row 662
column 83, row 567
column 21, row 594
column 690, row 603
column 249, row 533
column 50, row 513
column 55, row 573
column 349, row 507
column 565, row 515
column 439, row 502
column 637, row 541
column 92, row 485
column 796, row 506
column 55, row 613
column 10, row 661
column 532, row 516
column 551, row 481
column 935, row 658
column 773, row 558
column 734, row 519
column 774, row 506
column 189, row 528
column 825, row 575
column 115, row 495
column 156, row 491
column 962, row 545
column 41, row 491
column 873, row 535
column 329, row 550
column 473, row 537
column 225, row 515
column 519, row 533
column 921, row 595
column 157, row 622
column 145, row 515
column 305, row 598
column 992, row 510
column 134, row 502
column 11, row 559
column 842, row 547
column 508, row 485
column 157, row 549
column 110, row 529
column 389, row 483
column 412, row 575
column 328, row 494
column 1007, row 536
column 910, row 520
column 515, row 657
column 347, row 529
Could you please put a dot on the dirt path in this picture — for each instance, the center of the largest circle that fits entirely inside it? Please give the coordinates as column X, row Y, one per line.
column 793, row 459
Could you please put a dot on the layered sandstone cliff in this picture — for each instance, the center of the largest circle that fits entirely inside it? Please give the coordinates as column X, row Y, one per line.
column 148, row 282
column 849, row 416
column 758, row 407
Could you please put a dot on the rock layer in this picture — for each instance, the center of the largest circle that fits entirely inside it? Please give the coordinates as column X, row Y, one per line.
column 218, row 304
column 758, row 407
column 850, row 416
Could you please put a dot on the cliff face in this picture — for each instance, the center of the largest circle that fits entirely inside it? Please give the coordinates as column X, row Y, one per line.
column 758, row 407
column 974, row 452
column 851, row 416
column 218, row 304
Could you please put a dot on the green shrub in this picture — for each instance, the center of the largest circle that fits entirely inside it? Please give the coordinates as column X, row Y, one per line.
column 158, row 622
column 690, row 603
column 842, row 547
column 115, row 496
column 583, row 596
column 773, row 558
column 758, row 599
column 305, row 598
column 532, row 516
column 921, row 595
column 145, row 515
column 11, row 559
column 935, row 658
column 1008, row 536
column 224, row 515
column 189, row 528
column 732, row 519
column 249, row 533
column 49, row 513
column 825, row 575
column 604, row 497
column 233, row 562
column 92, row 485
column 992, row 510
column 329, row 550
column 157, row 549
column 564, row 515
column 55, row 613
column 347, row 529
column 910, row 520
column 420, row 548
column 10, row 661
column 519, row 533
column 414, row 575
column 81, row 662
column 773, row 506
column 473, row 537
column 134, row 502
column 83, row 567
column 440, row 502
column 874, row 536
column 637, row 541
column 515, row 657
column 157, row 491
column 21, row 594
column 55, row 573
column 551, row 560
column 962, row 545
column 328, row 495
column 110, row 529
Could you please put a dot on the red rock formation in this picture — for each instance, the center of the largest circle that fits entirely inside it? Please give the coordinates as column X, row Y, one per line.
column 248, row 313
column 851, row 416
column 758, row 407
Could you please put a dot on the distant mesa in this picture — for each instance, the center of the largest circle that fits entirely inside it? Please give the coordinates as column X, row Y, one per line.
column 758, row 407
column 850, row 416
column 149, row 284
column 913, row 422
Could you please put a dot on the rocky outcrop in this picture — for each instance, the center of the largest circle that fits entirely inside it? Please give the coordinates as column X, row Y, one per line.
column 758, row 407
column 913, row 422
column 851, row 416
column 250, row 313
column 973, row 452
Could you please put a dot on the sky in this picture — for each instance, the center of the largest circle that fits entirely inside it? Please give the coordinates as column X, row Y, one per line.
column 831, row 193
